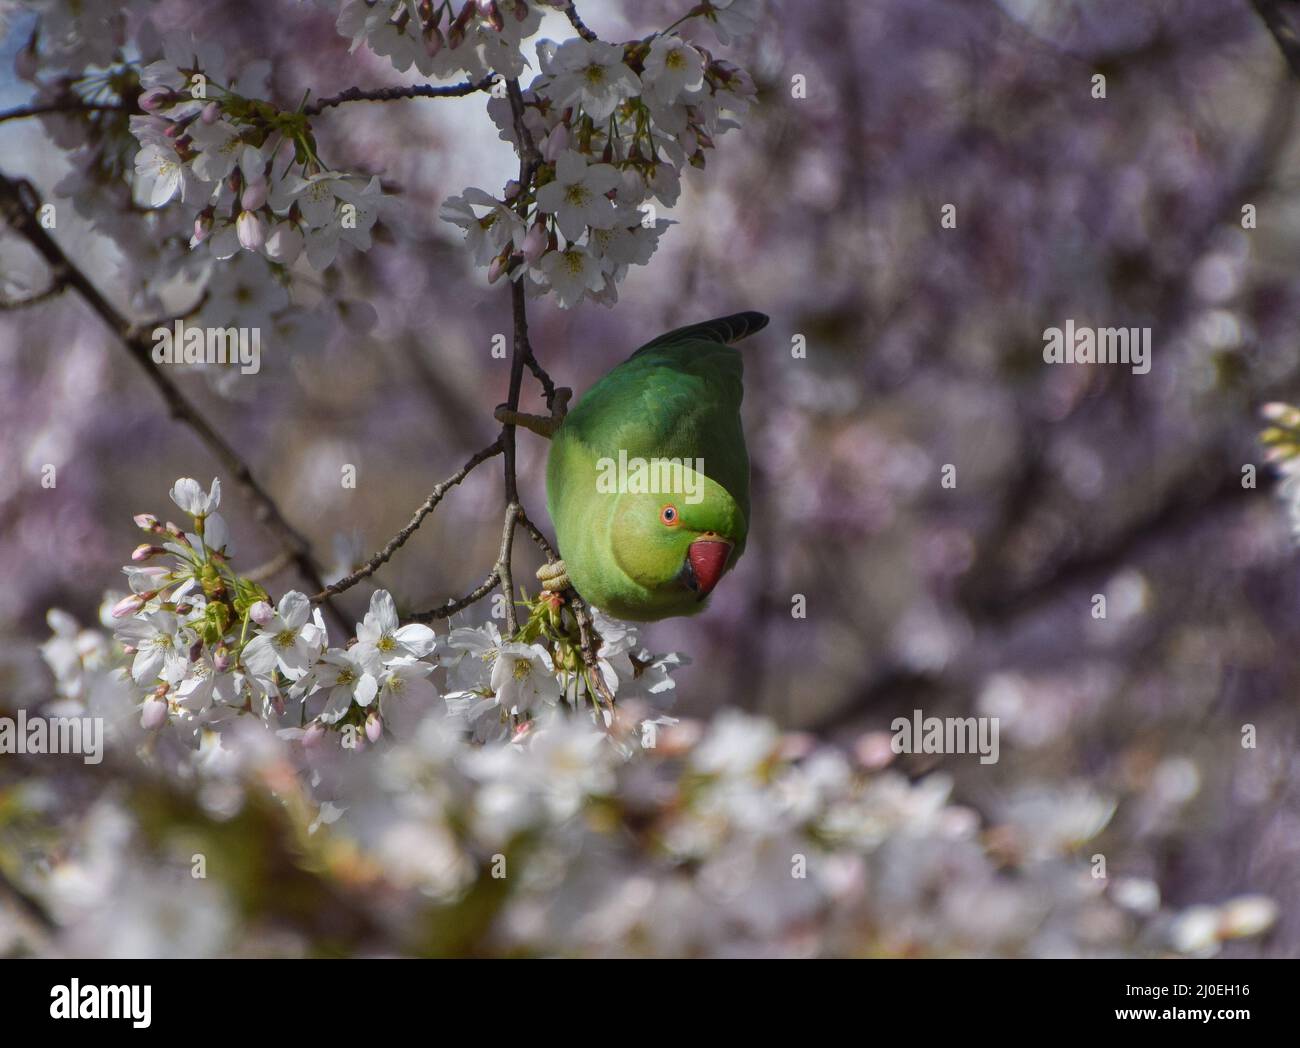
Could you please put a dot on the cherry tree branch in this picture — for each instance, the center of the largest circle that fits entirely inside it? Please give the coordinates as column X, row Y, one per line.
column 19, row 204
column 390, row 94
column 397, row 541
column 64, row 105
column 571, row 13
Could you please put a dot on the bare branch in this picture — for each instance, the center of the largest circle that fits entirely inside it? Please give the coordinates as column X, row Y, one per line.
column 502, row 567
column 398, row 540
column 576, row 21
column 392, row 94
column 18, row 206
column 551, row 555
column 63, row 105
column 447, row 610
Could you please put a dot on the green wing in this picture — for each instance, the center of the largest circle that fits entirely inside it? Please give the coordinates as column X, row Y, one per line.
column 675, row 397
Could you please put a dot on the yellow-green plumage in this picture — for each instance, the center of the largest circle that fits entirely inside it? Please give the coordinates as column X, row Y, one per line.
column 677, row 397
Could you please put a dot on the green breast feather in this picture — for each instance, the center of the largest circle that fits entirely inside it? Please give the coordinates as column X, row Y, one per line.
column 648, row 478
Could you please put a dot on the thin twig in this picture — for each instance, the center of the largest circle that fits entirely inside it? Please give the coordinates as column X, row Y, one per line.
column 18, row 206
column 502, row 566
column 392, row 94
column 64, row 105
column 447, row 610
column 571, row 13
column 398, row 540
column 551, row 555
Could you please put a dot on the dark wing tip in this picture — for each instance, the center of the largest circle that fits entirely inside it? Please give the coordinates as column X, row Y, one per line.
column 723, row 330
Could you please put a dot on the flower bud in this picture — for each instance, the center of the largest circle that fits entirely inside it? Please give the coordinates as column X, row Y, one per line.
column 262, row 613
column 147, row 521
column 128, row 606
column 555, row 143
column 251, row 230
column 497, row 267
column 284, row 243
column 313, row 735
column 433, row 41
column 254, row 195
column 374, row 727
column 144, row 551
column 210, row 113
column 153, row 714
column 202, row 226
column 535, row 243
column 494, row 17
column 155, row 98
column 196, row 649
column 221, row 659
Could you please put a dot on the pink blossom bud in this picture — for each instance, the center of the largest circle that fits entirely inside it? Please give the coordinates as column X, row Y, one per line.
column 196, row 649
column 493, row 15
column 210, row 113
column 251, row 230
column 520, row 10
column 535, row 243
column 175, row 532
column 147, row 521
column 153, row 714
column 456, row 34
column 255, row 193
column 555, row 143
column 374, row 727
column 155, row 98
column 128, row 606
column 144, row 551
column 512, row 189
column 284, row 243
column 496, row 268
column 221, row 659
column 313, row 735
column 262, row 613
column 433, row 41
column 184, row 608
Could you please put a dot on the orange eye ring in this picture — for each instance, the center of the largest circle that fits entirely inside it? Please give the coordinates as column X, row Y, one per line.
column 668, row 516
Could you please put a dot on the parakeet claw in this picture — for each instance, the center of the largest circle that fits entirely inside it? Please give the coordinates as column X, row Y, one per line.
column 553, row 577
column 542, row 425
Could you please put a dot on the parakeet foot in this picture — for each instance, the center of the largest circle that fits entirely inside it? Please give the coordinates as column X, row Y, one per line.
column 553, row 577
column 542, row 425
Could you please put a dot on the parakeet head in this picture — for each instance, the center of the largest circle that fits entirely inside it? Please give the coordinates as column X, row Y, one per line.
column 678, row 544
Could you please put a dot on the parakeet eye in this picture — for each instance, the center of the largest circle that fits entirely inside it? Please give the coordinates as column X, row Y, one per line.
column 668, row 515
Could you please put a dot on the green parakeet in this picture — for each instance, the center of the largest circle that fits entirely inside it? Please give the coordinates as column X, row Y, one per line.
column 648, row 477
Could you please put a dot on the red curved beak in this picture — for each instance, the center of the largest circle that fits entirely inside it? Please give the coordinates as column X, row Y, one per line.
column 707, row 559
